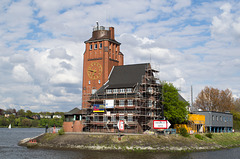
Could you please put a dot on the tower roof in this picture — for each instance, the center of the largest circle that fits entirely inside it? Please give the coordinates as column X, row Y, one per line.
column 103, row 33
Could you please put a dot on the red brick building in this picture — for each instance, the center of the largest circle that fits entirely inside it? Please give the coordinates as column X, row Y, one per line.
column 101, row 54
column 128, row 93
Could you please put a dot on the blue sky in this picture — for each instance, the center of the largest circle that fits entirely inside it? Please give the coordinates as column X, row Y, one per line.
column 42, row 44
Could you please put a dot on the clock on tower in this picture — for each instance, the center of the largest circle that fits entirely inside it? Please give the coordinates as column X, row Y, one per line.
column 101, row 54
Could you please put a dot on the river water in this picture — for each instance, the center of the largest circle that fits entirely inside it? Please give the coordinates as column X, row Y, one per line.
column 9, row 149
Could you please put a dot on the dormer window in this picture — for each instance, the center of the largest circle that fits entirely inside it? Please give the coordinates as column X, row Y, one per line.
column 90, row 48
column 129, row 90
column 122, row 90
column 109, row 91
column 100, row 46
column 95, row 46
column 115, row 90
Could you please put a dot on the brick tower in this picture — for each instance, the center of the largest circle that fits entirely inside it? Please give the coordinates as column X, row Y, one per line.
column 101, row 54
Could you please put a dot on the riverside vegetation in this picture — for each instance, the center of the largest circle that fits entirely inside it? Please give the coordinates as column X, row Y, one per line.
column 144, row 142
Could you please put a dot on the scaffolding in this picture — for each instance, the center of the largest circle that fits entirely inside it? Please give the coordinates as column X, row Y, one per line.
column 138, row 107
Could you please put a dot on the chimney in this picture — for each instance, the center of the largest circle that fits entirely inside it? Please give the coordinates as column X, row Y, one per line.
column 111, row 32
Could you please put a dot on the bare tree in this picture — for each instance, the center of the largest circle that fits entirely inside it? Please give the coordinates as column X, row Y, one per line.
column 212, row 99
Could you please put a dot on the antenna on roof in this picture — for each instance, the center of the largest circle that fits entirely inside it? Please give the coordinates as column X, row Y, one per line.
column 97, row 25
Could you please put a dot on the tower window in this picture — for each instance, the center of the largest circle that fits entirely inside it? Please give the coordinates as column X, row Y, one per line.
column 100, row 46
column 95, row 46
column 90, row 48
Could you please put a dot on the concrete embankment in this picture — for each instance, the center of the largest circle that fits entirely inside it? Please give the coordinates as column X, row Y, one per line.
column 136, row 142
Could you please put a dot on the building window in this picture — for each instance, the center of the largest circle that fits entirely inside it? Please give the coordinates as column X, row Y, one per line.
column 129, row 90
column 108, row 91
column 115, row 90
column 149, row 103
column 220, row 118
column 213, row 117
column 122, row 90
column 95, row 118
column 89, row 82
column 130, row 118
column 105, row 118
column 230, row 119
column 95, row 46
column 217, row 118
column 99, row 81
column 121, row 103
column 130, row 102
column 90, row 48
column 227, row 119
column 121, row 117
column 87, row 118
column 100, row 46
column 113, row 118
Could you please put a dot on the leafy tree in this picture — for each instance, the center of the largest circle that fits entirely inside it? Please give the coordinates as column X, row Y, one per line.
column 26, row 123
column 212, row 99
column 29, row 113
column 35, row 123
column 175, row 110
column 17, row 122
column 12, row 119
column 4, row 121
column 2, row 112
column 21, row 113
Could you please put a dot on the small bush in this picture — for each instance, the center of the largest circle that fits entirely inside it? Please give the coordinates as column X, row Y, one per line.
column 61, row 132
column 198, row 136
column 209, row 135
column 183, row 132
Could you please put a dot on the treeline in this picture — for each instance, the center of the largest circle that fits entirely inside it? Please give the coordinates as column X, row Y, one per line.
column 30, row 119
column 213, row 99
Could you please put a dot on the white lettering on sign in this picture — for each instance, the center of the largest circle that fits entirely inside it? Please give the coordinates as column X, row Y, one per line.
column 161, row 124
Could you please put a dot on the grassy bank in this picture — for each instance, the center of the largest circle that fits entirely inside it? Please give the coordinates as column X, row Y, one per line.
column 139, row 142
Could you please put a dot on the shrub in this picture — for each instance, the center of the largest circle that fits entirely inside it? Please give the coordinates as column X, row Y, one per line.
column 61, row 132
column 183, row 132
column 198, row 136
column 209, row 135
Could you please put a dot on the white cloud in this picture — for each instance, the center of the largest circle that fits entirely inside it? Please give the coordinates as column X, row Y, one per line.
column 225, row 26
column 182, row 4
column 21, row 74
column 42, row 43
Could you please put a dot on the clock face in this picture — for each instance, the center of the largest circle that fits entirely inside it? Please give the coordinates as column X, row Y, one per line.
column 94, row 70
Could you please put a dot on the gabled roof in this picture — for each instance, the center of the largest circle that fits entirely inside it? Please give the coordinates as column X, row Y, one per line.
column 127, row 76
column 75, row 111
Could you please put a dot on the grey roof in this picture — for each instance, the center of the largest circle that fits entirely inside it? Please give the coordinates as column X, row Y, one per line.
column 127, row 76
column 75, row 111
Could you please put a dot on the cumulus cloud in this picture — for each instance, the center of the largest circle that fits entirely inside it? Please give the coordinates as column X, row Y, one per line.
column 21, row 74
column 226, row 26
column 59, row 53
column 190, row 43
